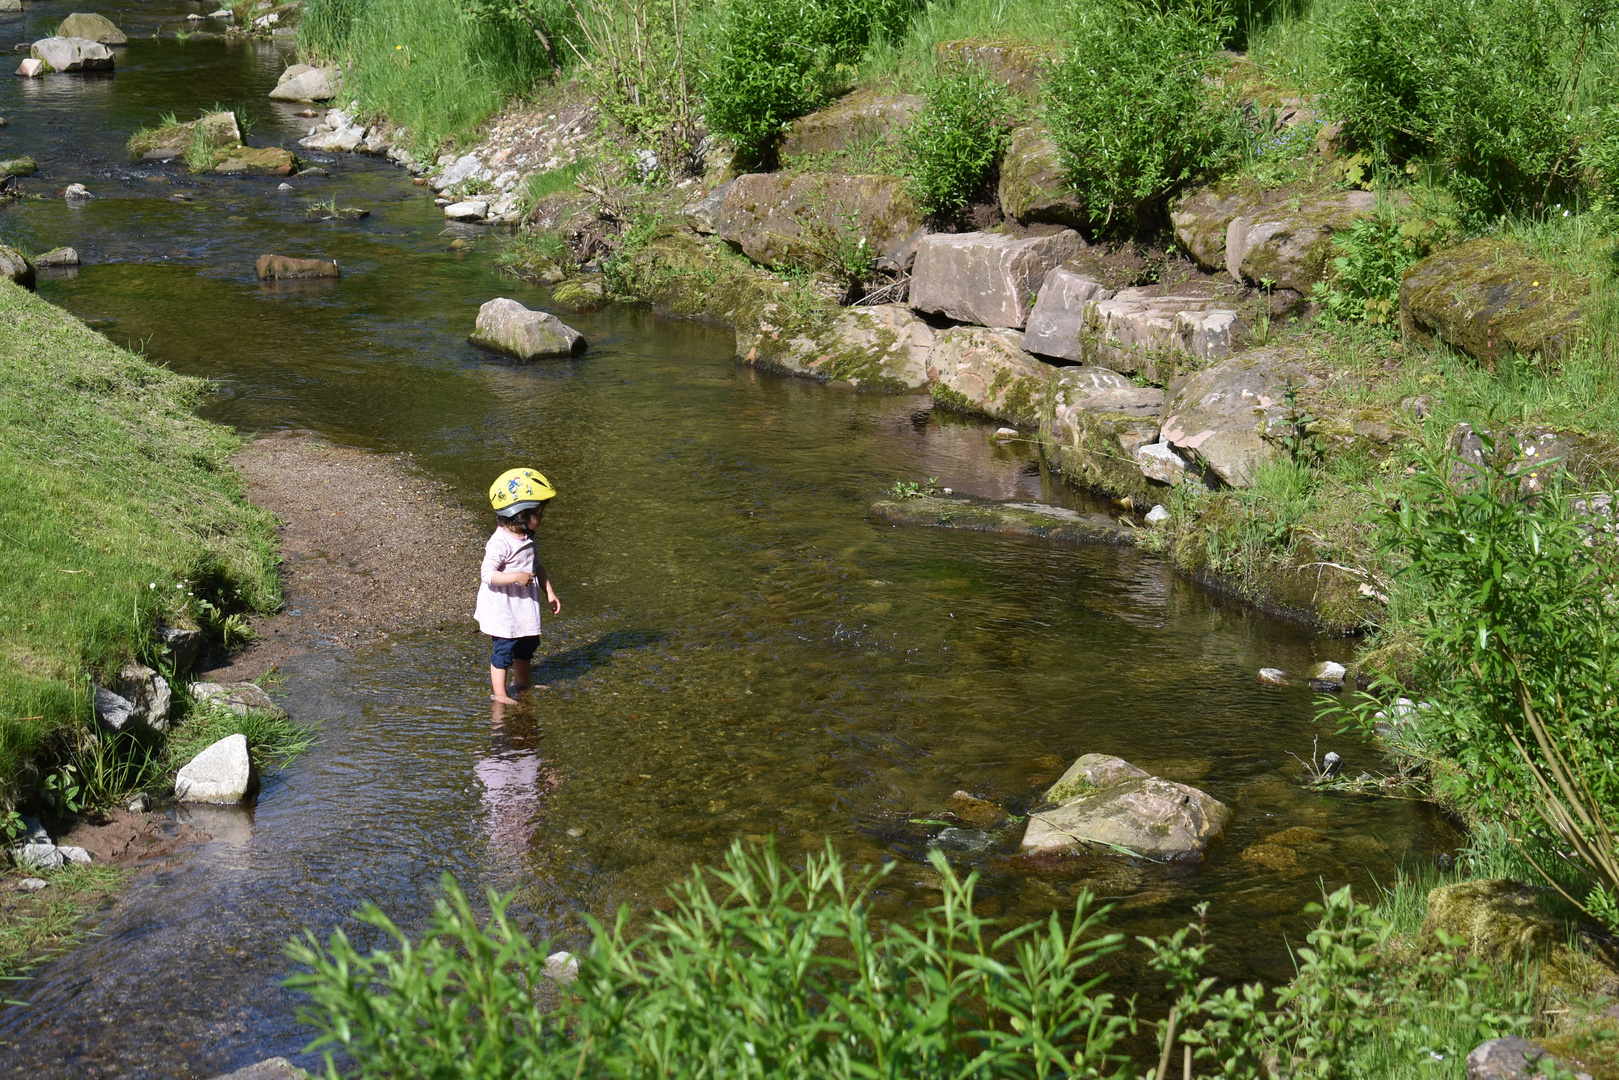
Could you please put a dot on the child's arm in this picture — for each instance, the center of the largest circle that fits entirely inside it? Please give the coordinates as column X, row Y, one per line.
column 550, row 593
column 493, row 574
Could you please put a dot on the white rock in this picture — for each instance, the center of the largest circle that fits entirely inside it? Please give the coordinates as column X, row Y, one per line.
column 562, row 967
column 467, row 210
column 31, row 68
column 341, row 141
column 33, row 884
column 1272, row 676
column 283, row 187
column 302, row 82
column 467, row 167
column 222, row 13
column 1328, row 671
column 1160, row 462
column 77, row 191
column 73, row 54
column 35, row 856
column 264, row 21
column 113, row 710
column 223, row 773
column 1157, row 515
column 1006, row 433
column 507, row 326
column 75, row 855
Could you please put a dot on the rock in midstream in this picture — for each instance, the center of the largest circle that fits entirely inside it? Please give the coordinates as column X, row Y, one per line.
column 304, row 82
column 221, row 774
column 72, row 54
column 91, row 27
column 506, row 326
column 1056, row 523
column 283, row 268
column 1106, row 803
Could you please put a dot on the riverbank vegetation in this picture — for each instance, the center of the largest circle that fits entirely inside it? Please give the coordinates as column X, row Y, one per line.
column 118, row 514
column 762, row 970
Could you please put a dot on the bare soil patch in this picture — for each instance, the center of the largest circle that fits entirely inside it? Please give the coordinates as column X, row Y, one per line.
column 371, row 548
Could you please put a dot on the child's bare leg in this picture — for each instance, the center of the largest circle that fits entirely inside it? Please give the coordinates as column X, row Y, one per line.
column 521, row 669
column 497, row 682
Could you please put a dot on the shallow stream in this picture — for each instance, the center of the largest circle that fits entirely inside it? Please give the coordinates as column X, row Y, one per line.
column 743, row 652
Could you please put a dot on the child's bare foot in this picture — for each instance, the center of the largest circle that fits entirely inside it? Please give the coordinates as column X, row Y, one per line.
column 504, row 700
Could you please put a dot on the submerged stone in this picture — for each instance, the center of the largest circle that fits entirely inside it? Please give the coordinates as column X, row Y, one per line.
column 283, row 268
column 261, row 160
column 1004, row 519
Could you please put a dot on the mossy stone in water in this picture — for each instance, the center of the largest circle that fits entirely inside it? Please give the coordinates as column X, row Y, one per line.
column 1489, row 299
column 22, row 166
column 580, row 293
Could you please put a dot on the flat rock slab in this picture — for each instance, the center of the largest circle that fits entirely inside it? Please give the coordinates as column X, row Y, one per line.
column 1132, row 330
column 855, row 119
column 284, row 268
column 1490, row 300
column 276, row 1068
column 259, row 160
column 780, row 221
column 304, row 82
column 1282, row 236
column 1004, row 519
column 236, row 697
column 981, row 371
column 91, row 27
column 72, row 54
column 1108, row 804
column 1033, row 187
column 1019, row 64
column 1221, row 416
column 222, row 774
column 882, row 347
column 58, row 257
column 506, row 326
column 986, row 278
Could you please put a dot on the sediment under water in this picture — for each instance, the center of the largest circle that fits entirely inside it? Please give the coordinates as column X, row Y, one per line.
column 742, row 651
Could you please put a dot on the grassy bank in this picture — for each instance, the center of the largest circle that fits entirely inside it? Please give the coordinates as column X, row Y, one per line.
column 117, row 513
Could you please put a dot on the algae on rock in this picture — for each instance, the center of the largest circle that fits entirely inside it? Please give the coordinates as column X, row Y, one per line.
column 1489, row 299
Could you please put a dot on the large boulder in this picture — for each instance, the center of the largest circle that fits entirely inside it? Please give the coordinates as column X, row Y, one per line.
column 1105, row 803
column 1280, row 238
column 853, row 120
column 1033, row 186
column 219, row 130
column 703, row 215
column 285, row 268
column 1019, row 64
column 1098, row 420
column 986, row 278
column 1516, row 1058
column 92, row 28
column 507, row 326
column 780, row 220
column 1057, row 322
column 304, row 82
column 885, row 347
column 72, row 54
column 223, row 774
column 1054, row 523
column 1488, row 299
column 15, row 266
column 1221, row 416
column 1129, row 330
column 975, row 370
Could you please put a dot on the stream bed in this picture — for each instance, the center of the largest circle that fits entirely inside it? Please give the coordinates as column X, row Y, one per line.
column 742, row 651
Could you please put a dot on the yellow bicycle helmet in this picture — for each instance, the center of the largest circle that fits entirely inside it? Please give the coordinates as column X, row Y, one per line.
column 518, row 490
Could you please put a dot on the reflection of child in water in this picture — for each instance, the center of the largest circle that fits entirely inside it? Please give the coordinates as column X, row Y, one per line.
column 514, row 781
column 509, row 596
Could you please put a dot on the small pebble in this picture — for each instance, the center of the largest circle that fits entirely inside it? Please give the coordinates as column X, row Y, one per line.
column 139, row 804
column 576, row 832
column 283, row 187
column 1006, row 433
column 32, row 884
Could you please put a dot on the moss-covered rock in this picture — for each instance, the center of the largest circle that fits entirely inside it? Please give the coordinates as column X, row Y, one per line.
column 1097, row 420
column 1502, row 921
column 1032, row 185
column 885, row 347
column 1489, row 299
column 583, row 293
column 1106, row 803
column 1281, row 236
column 18, row 166
column 1003, row 519
column 987, row 372
column 781, row 220
column 259, row 160
column 854, row 119
column 92, row 27
column 1019, row 64
column 216, row 131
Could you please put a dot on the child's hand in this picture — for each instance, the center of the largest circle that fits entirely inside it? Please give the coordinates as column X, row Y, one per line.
column 556, row 604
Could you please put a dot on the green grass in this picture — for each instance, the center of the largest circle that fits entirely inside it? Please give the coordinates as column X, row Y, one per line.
column 423, row 63
column 34, row 926
column 909, row 60
column 272, row 740
column 117, row 512
column 541, row 186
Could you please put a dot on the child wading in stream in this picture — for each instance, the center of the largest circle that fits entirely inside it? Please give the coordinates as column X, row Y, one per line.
column 509, row 598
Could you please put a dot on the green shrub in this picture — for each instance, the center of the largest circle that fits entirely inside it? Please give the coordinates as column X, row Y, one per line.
column 1364, row 285
column 1129, row 107
column 772, row 61
column 958, row 138
column 640, row 69
column 1516, row 661
column 1486, row 90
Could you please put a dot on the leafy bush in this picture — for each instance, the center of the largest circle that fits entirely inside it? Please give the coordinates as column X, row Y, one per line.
column 762, row 972
column 1518, row 662
column 952, row 146
column 641, row 72
column 1128, row 105
column 1484, row 89
column 775, row 60
column 1364, row 285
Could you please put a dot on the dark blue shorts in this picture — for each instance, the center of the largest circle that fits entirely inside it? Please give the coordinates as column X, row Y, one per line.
column 506, row 649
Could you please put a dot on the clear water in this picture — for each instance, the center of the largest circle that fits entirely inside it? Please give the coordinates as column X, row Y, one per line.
column 743, row 652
